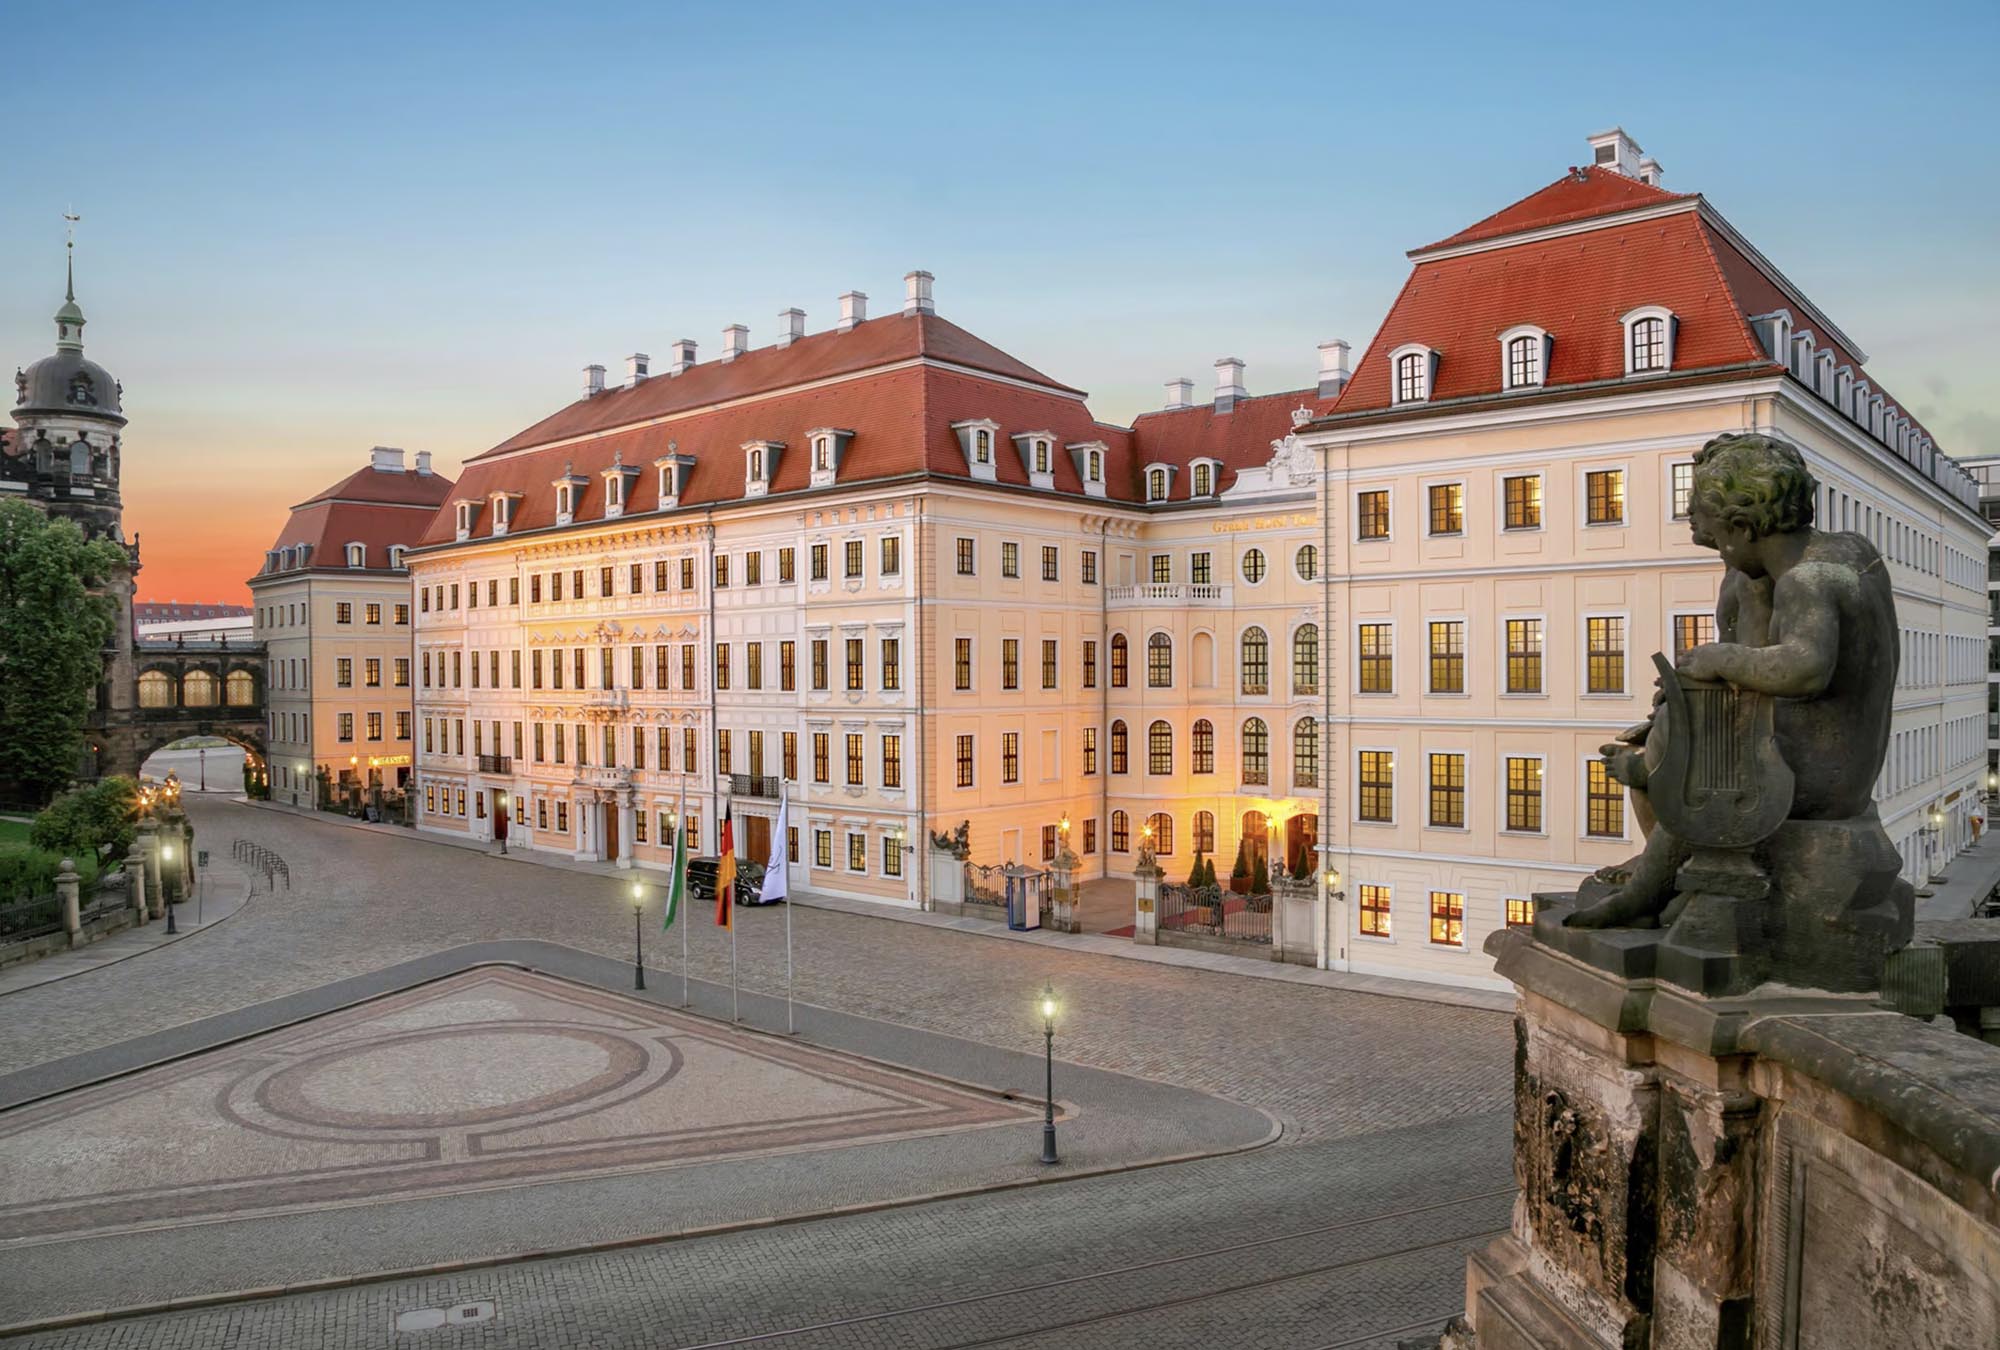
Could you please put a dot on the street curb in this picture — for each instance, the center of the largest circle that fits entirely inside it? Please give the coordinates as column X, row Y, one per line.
column 1279, row 1127
column 249, row 892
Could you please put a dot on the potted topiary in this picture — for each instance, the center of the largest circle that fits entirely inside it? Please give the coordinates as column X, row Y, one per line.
column 1260, row 879
column 1239, row 875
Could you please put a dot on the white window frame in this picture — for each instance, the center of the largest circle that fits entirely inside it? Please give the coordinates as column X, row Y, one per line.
column 1583, row 618
column 1354, row 926
column 1464, row 506
column 1354, row 791
column 1667, row 489
column 1427, row 378
column 1354, row 513
column 1501, row 756
column 1394, row 665
column 1501, row 478
column 1500, row 655
column 357, row 554
column 1464, row 623
column 1583, row 833
column 1583, row 519
column 1542, row 356
column 1463, row 753
column 1630, row 320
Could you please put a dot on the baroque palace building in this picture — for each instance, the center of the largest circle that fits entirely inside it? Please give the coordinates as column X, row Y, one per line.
column 1379, row 625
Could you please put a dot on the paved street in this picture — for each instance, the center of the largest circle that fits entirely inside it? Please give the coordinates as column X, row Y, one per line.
column 1388, row 1105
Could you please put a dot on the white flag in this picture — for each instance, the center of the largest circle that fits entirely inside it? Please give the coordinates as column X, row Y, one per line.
column 777, row 877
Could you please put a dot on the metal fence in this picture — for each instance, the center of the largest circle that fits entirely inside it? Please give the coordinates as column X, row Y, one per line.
column 257, row 858
column 986, row 886
column 32, row 918
column 1211, row 911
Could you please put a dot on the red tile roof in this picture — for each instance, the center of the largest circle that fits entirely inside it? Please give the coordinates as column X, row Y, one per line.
column 376, row 508
column 876, row 342
column 1577, row 195
column 1240, row 438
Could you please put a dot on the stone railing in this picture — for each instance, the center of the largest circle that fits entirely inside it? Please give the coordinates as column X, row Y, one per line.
column 1169, row 593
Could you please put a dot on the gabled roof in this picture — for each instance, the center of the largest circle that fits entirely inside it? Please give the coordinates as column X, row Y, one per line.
column 877, row 342
column 1578, row 195
column 376, row 508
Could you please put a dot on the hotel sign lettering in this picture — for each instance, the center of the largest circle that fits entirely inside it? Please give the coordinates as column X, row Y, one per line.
column 1292, row 521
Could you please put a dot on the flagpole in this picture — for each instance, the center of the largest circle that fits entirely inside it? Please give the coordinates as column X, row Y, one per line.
column 734, row 1015
column 680, row 828
column 729, row 898
column 784, row 817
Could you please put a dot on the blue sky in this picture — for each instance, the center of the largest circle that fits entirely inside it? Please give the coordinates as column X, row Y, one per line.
column 308, row 231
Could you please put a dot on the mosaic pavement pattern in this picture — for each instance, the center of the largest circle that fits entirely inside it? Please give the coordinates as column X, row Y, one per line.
column 494, row 1077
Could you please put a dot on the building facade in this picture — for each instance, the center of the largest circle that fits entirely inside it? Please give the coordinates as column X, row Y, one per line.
column 1986, row 472
column 1378, row 626
column 332, row 608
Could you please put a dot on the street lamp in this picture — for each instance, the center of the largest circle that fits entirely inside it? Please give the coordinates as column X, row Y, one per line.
column 638, row 936
column 167, row 856
column 1049, row 1008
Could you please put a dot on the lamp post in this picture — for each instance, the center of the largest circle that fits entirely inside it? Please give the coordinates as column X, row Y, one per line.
column 1049, row 1008
column 1933, row 832
column 167, row 856
column 638, row 936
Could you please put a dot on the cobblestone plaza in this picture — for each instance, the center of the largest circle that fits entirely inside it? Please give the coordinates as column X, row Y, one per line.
column 378, row 1016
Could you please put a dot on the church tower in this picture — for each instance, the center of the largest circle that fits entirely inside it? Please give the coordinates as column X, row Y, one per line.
column 64, row 455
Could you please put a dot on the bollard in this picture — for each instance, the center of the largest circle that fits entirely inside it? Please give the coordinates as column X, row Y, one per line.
column 67, row 884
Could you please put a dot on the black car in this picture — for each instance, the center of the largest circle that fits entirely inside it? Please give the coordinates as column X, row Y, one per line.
column 701, row 879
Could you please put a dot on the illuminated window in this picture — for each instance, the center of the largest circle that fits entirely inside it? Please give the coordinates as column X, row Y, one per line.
column 1159, row 748
column 1523, row 497
column 1256, row 661
column 961, row 663
column 1520, row 913
column 1202, row 739
column 1256, row 752
column 1254, row 566
column 1010, row 663
column 1305, row 659
column 1691, row 631
column 1604, row 496
column 1119, row 746
column 1448, row 918
column 1447, row 508
column 1010, row 756
column 1118, row 660
column 1447, row 799
column 1447, row 657
column 1305, row 753
column 1160, row 827
column 1375, row 645
column 1605, row 648
column 1160, row 661
column 1524, row 656
column 1375, row 911
column 1682, row 477
column 1524, row 794
column 1375, row 786
column 1204, row 832
column 1371, row 514
column 1605, row 798
column 964, row 755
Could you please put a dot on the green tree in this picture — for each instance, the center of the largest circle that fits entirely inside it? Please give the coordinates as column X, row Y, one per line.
column 1194, row 877
column 90, row 824
column 1242, row 868
column 1260, row 879
column 54, row 626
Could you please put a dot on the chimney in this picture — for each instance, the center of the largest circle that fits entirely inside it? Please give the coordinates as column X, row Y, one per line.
column 1333, row 367
column 1180, row 393
column 424, row 463
column 735, row 341
column 853, row 310
column 637, row 366
column 791, row 326
column 1649, row 170
column 917, row 293
column 683, row 356
column 1229, row 383
column 593, row 381
column 385, row 459
column 1616, row 151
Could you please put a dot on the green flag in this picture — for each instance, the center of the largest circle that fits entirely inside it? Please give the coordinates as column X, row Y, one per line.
column 677, row 882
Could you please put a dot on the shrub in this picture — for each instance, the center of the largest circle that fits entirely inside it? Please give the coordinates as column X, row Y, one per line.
column 27, row 873
column 1260, row 879
column 1194, row 877
column 85, row 822
column 1242, row 868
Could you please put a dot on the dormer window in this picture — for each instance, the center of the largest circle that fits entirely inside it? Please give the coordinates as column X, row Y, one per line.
column 614, row 493
column 1413, row 367
column 975, row 439
column 618, row 481
column 822, row 453
column 1037, row 453
column 1649, row 340
column 357, row 555
column 502, row 514
column 396, row 552
column 565, row 503
column 1093, row 471
column 675, row 470
column 829, row 447
column 1157, row 483
column 82, row 392
column 1088, row 459
column 760, row 466
column 1204, row 478
column 1042, row 456
column 1524, row 355
column 465, row 511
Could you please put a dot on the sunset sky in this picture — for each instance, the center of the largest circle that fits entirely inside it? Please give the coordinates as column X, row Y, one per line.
column 310, row 231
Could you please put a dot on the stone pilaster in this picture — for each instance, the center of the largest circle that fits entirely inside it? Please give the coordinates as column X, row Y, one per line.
column 68, row 888
column 1146, row 903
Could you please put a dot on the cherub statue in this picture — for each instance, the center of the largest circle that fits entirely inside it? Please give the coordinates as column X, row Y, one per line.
column 1805, row 616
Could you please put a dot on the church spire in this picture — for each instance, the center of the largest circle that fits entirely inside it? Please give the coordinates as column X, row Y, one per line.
column 69, row 319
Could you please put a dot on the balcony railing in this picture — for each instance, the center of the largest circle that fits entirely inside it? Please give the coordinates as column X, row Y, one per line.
column 496, row 764
column 600, row 776
column 755, row 785
column 1170, row 593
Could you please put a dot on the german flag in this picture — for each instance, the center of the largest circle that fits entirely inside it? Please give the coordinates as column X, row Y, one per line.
column 725, row 875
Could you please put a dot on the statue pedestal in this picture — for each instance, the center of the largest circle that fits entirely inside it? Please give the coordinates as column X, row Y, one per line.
column 1717, row 1173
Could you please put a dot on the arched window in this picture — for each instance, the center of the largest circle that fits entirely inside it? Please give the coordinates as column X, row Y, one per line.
column 1649, row 344
column 757, row 463
column 1256, row 751
column 1411, row 384
column 1094, row 463
column 1204, row 479
column 240, row 689
column 396, row 556
column 1119, row 656
column 1306, row 560
column 1041, row 456
column 1121, row 832
column 1305, row 753
column 983, row 447
column 1204, row 832
column 1156, row 485
column 1524, row 361
column 1305, row 659
column 1256, row 661
column 1160, row 832
column 156, row 690
column 1159, row 748
column 1119, row 746
column 357, row 555
column 1203, row 738
column 1160, row 661
column 200, row 689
